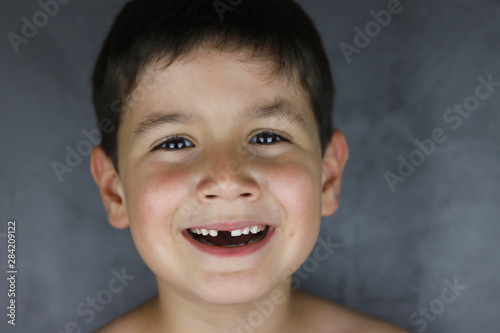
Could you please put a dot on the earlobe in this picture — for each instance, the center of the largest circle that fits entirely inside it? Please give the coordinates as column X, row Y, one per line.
column 333, row 164
column 108, row 181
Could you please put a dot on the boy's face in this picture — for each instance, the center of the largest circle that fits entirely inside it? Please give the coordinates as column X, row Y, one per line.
column 223, row 174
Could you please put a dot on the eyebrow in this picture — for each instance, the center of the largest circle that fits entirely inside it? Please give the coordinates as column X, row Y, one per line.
column 279, row 109
column 156, row 120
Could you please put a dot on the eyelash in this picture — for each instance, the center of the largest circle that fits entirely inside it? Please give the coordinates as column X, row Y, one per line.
column 173, row 139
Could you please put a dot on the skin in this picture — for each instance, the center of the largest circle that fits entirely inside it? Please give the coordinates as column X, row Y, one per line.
column 223, row 175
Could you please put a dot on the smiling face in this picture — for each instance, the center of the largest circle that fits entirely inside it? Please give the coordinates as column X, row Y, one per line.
column 221, row 177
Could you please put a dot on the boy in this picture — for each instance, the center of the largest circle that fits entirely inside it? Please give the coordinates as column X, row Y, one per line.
column 218, row 152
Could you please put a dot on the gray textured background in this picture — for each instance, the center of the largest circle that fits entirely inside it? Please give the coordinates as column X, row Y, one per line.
column 397, row 248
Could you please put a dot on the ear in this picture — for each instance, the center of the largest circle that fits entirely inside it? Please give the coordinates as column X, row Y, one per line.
column 334, row 160
column 110, row 186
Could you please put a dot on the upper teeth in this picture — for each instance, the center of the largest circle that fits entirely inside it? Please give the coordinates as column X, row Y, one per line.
column 238, row 232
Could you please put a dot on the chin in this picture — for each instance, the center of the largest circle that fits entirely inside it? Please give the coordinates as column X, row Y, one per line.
column 235, row 290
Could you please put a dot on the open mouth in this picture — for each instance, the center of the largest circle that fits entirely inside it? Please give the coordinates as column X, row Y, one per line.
column 229, row 239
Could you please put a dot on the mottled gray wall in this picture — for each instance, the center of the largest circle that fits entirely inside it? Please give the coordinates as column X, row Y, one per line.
column 398, row 249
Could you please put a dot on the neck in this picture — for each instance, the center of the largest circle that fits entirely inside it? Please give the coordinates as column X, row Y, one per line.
column 180, row 313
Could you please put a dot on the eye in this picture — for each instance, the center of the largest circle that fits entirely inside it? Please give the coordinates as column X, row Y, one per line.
column 174, row 143
column 268, row 138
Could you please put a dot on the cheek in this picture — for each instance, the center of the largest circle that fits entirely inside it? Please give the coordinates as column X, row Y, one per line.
column 297, row 186
column 154, row 198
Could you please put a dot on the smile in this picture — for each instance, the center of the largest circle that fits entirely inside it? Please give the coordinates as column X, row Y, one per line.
column 230, row 238
column 234, row 239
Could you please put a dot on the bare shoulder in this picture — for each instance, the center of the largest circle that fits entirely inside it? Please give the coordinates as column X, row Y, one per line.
column 321, row 315
column 136, row 320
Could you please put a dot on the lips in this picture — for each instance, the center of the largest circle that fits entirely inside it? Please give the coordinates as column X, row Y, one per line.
column 230, row 239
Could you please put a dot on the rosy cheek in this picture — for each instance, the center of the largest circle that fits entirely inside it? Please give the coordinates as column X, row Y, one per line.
column 296, row 186
column 156, row 195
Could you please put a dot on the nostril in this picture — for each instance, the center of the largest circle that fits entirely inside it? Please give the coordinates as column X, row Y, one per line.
column 210, row 195
column 246, row 194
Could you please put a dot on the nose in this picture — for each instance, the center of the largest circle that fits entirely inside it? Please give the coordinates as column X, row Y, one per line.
column 227, row 175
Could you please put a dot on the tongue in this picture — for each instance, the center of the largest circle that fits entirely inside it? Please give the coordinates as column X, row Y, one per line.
column 225, row 239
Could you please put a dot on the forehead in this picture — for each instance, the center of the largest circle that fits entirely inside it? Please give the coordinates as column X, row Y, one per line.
column 212, row 63
column 210, row 84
